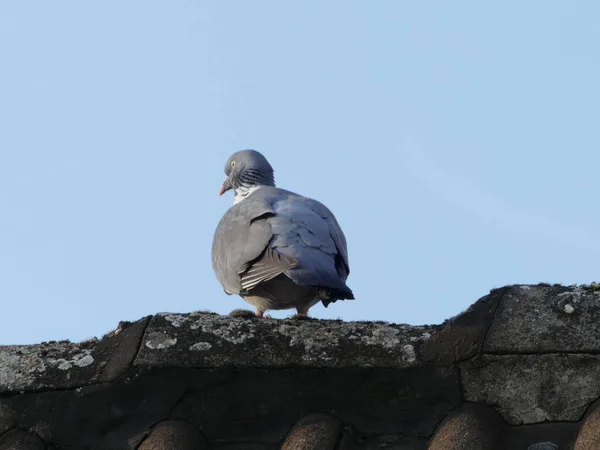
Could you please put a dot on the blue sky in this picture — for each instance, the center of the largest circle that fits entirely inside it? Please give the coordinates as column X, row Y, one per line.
column 456, row 142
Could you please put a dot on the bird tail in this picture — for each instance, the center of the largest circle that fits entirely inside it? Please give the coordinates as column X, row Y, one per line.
column 331, row 295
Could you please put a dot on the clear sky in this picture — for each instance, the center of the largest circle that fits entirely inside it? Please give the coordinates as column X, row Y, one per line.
column 456, row 142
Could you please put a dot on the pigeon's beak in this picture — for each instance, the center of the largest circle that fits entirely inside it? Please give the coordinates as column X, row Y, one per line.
column 226, row 186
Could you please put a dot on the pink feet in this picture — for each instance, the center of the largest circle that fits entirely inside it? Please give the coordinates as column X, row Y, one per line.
column 262, row 314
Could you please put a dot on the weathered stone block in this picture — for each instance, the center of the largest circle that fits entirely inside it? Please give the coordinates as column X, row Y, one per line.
column 7, row 419
column 64, row 365
column 118, row 349
column 462, row 336
column 253, row 405
column 528, row 389
column 545, row 319
column 207, row 340
column 108, row 416
column 21, row 440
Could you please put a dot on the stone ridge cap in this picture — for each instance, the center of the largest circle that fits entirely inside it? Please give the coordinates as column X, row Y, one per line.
column 91, row 341
column 275, row 321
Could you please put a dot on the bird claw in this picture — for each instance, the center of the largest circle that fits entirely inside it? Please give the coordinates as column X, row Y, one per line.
column 300, row 316
column 262, row 315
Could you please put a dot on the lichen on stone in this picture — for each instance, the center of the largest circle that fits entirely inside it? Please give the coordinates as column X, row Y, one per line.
column 233, row 330
column 387, row 337
column 317, row 341
column 201, row 346
column 22, row 366
column 408, row 353
column 81, row 360
column 159, row 341
column 176, row 320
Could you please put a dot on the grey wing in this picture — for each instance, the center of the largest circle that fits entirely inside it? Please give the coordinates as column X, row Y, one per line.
column 302, row 233
column 336, row 233
column 241, row 257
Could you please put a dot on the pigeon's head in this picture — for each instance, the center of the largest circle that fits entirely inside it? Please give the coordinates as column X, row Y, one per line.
column 245, row 170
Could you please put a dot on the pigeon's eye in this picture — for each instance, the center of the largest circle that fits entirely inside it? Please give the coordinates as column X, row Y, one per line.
column 232, row 164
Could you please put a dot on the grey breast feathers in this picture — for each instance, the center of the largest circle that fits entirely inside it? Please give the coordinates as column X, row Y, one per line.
column 241, row 257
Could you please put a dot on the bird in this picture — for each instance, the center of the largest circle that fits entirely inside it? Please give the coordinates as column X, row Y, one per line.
column 274, row 248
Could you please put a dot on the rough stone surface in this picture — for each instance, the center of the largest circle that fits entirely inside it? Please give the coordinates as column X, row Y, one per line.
column 546, row 319
column 7, row 420
column 46, row 366
column 461, row 337
column 314, row 432
column 119, row 348
column 534, row 388
column 21, row 440
column 206, row 340
column 470, row 427
column 65, row 365
column 102, row 416
column 174, row 435
column 261, row 404
column 529, row 356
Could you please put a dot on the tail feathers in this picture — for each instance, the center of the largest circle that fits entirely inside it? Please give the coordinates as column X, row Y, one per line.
column 327, row 283
column 331, row 295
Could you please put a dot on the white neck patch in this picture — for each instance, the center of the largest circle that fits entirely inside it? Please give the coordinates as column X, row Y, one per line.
column 242, row 192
